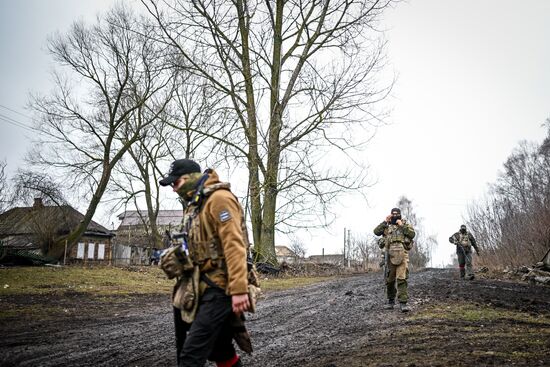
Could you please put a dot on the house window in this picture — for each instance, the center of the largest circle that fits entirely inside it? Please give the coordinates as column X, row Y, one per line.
column 91, row 250
column 80, row 251
column 100, row 251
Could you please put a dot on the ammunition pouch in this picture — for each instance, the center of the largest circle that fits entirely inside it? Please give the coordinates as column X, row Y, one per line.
column 253, row 295
column 211, row 250
column 175, row 262
column 186, row 296
column 408, row 244
column 253, row 277
column 397, row 253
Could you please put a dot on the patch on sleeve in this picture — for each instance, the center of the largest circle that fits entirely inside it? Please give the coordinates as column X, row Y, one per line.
column 224, row 216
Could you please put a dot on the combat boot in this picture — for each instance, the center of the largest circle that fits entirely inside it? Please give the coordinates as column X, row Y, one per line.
column 471, row 277
column 403, row 307
column 389, row 305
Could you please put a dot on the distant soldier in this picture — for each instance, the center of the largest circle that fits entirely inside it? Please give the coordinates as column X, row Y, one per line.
column 398, row 236
column 464, row 242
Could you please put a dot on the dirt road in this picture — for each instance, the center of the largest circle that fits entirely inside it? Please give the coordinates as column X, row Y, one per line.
column 336, row 323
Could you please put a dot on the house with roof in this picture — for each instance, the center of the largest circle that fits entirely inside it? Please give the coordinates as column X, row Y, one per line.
column 334, row 259
column 134, row 227
column 285, row 255
column 35, row 229
column 135, row 243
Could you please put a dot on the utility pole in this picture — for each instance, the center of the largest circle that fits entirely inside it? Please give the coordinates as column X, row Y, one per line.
column 345, row 231
column 349, row 245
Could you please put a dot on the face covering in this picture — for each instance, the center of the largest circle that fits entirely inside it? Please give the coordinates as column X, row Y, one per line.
column 462, row 230
column 395, row 218
column 188, row 188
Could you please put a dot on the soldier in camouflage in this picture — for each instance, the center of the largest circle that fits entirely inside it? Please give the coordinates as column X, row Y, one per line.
column 398, row 236
column 464, row 242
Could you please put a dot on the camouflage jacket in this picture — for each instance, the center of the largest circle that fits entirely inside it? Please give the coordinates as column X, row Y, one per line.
column 395, row 233
column 464, row 239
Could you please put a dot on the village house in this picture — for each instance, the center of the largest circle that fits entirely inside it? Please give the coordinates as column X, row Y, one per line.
column 27, row 231
column 134, row 241
column 335, row 259
column 285, row 255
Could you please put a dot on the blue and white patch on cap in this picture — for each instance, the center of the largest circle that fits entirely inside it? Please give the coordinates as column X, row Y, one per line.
column 224, row 216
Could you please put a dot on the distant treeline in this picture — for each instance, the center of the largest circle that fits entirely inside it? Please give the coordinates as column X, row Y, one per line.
column 512, row 223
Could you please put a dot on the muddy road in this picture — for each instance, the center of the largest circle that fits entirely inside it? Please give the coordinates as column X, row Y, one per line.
column 336, row 323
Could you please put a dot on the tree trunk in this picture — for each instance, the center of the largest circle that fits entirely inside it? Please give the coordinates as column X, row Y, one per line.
column 152, row 215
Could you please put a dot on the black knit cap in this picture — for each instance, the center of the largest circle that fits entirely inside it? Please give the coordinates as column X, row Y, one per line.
column 179, row 168
column 396, row 210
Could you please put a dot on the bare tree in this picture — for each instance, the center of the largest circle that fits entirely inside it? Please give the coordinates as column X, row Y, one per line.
column 298, row 247
column 364, row 249
column 193, row 107
column 28, row 185
column 4, row 195
column 90, row 125
column 41, row 192
column 298, row 77
column 419, row 255
column 512, row 223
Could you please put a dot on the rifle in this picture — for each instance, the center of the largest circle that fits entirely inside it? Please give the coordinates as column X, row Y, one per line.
column 386, row 271
column 461, row 248
column 386, row 264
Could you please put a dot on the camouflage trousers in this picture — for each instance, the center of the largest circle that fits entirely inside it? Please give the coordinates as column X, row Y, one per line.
column 465, row 261
column 396, row 281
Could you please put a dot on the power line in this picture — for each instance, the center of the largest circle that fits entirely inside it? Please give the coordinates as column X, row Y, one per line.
column 11, row 121
column 20, row 124
column 14, row 111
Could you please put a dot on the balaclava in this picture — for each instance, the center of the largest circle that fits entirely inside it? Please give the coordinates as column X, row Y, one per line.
column 395, row 217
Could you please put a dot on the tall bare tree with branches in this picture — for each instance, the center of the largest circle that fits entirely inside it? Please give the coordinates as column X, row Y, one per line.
column 512, row 223
column 299, row 78
column 88, row 125
column 193, row 107
column 4, row 195
column 419, row 256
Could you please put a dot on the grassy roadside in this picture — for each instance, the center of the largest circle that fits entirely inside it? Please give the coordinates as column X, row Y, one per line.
column 108, row 281
column 465, row 334
column 99, row 281
column 50, row 292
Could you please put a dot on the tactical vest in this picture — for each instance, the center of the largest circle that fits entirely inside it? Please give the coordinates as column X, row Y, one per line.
column 394, row 233
column 206, row 245
column 464, row 239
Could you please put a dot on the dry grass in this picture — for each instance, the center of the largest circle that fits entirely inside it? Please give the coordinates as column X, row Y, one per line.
column 99, row 280
column 108, row 281
column 277, row 284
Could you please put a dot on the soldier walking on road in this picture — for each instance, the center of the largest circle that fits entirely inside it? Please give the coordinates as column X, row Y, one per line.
column 211, row 267
column 464, row 242
column 398, row 237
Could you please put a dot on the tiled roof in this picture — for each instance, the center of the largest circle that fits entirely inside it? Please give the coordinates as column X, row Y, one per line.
column 164, row 218
column 25, row 220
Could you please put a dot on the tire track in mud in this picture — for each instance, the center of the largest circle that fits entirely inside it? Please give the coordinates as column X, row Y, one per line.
column 124, row 340
column 300, row 326
column 321, row 325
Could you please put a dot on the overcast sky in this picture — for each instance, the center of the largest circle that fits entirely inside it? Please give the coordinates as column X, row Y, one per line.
column 474, row 80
